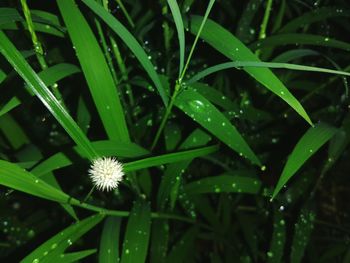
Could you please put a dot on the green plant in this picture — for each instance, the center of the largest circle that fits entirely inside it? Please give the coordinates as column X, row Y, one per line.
column 223, row 162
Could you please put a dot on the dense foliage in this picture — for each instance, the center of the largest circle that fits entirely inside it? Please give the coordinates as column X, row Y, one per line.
column 231, row 119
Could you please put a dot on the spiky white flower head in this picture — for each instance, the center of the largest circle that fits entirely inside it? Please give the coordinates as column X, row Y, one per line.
column 106, row 173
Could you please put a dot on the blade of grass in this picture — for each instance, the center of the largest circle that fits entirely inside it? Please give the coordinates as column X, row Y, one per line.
column 300, row 39
column 75, row 256
column 131, row 42
column 43, row 93
column 159, row 241
column 275, row 253
column 316, row 15
column 96, row 71
column 137, row 234
column 180, row 31
column 225, row 183
column 245, row 31
column 109, row 244
column 227, row 44
column 49, row 76
column 15, row 177
column 103, row 148
column 169, row 158
column 52, row 249
column 169, row 186
column 183, row 247
column 306, row 147
column 253, row 64
column 207, row 115
column 302, row 232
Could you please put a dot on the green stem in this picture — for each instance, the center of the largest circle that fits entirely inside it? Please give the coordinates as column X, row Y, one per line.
column 211, row 3
column 122, row 68
column 178, row 84
column 122, row 7
column 166, row 115
column 262, row 33
column 126, row 213
column 39, row 52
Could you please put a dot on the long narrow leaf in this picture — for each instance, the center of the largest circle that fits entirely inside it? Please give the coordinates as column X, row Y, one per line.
column 44, row 94
column 52, row 249
column 307, row 146
column 96, row 71
column 240, row 64
column 109, row 244
column 180, row 30
column 223, row 41
column 225, row 183
column 207, row 115
column 137, row 234
column 131, row 42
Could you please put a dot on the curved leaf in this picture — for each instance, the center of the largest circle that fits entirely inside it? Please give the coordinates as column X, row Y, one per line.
column 180, row 31
column 109, row 244
column 207, row 115
column 96, row 71
column 307, row 146
column 44, row 94
column 225, row 183
column 137, row 234
column 227, row 44
column 52, row 250
column 131, row 42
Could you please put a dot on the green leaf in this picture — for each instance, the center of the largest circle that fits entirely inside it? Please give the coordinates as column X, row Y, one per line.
column 299, row 39
column 302, row 232
column 316, row 15
column 159, row 240
column 249, row 64
column 49, row 76
column 169, row 158
column 227, row 44
column 275, row 253
column 2, row 76
column 207, row 115
column 13, row 176
column 171, row 179
column 96, row 71
column 130, row 42
column 103, row 148
column 75, row 256
column 183, row 247
column 137, row 234
column 307, row 146
column 44, row 94
column 8, row 15
column 235, row 182
column 52, row 249
column 245, row 30
column 109, row 244
column 180, row 31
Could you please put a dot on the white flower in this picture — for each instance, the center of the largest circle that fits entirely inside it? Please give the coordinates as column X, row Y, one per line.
column 106, row 173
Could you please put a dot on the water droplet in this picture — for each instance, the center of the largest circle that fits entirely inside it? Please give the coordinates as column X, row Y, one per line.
column 197, row 105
